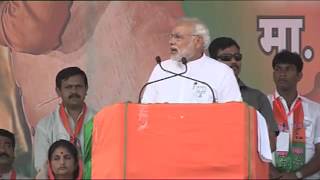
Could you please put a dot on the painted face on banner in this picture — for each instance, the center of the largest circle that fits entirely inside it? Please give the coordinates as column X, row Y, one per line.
column 231, row 56
column 286, row 76
column 73, row 91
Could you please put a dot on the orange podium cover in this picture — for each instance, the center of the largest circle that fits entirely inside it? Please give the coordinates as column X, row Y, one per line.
column 175, row 141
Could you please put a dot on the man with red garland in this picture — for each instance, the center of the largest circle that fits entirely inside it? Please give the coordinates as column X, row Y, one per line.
column 67, row 120
column 7, row 145
column 297, row 154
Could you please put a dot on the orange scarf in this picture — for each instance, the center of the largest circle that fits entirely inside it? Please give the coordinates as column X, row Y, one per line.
column 66, row 124
column 295, row 158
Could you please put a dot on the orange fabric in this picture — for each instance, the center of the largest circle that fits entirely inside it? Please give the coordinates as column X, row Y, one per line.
column 65, row 121
column 174, row 141
column 107, row 142
column 298, row 117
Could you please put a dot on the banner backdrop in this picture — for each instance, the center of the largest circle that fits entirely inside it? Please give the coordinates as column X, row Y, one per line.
column 115, row 44
column 262, row 28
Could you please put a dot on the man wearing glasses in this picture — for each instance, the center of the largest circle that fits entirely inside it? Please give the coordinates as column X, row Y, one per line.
column 189, row 39
column 227, row 51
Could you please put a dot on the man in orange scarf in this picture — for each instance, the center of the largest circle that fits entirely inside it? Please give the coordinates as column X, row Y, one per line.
column 297, row 152
column 67, row 120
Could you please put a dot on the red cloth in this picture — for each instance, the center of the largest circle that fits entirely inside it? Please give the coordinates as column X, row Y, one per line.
column 176, row 141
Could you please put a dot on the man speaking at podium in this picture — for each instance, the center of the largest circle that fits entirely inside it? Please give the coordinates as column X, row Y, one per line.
column 189, row 39
column 200, row 79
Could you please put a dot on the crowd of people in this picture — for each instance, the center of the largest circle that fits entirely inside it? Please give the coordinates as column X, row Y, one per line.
column 291, row 121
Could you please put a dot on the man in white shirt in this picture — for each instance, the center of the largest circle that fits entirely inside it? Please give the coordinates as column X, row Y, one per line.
column 297, row 153
column 190, row 38
column 67, row 121
column 7, row 145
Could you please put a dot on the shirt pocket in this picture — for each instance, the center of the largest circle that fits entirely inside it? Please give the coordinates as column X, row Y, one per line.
column 308, row 125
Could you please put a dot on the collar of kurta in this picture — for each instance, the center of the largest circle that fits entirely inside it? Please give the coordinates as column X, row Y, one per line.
column 276, row 95
column 203, row 57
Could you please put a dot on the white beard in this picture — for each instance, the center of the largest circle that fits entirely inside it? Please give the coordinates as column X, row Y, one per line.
column 183, row 53
column 176, row 57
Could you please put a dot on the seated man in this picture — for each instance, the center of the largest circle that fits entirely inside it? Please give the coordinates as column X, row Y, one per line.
column 7, row 144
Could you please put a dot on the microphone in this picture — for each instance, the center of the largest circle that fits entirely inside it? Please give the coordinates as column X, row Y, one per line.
column 158, row 60
column 184, row 61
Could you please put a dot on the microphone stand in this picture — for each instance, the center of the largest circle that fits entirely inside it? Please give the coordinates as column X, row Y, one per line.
column 158, row 60
column 184, row 62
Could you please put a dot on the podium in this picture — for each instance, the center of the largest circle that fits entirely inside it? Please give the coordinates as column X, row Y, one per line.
column 189, row 141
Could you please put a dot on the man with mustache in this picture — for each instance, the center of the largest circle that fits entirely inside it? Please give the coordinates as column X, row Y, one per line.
column 7, row 145
column 227, row 51
column 67, row 120
column 298, row 144
column 190, row 38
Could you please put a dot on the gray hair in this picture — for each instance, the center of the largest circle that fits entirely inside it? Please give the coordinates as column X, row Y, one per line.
column 200, row 29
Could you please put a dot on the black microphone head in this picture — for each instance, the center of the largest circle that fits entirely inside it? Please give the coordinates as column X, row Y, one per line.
column 158, row 59
column 184, row 60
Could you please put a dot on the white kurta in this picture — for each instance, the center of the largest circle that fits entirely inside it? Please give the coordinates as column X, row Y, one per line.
column 311, row 122
column 51, row 129
column 264, row 148
column 181, row 90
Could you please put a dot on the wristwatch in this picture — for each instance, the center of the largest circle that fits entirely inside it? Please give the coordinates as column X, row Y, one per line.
column 299, row 175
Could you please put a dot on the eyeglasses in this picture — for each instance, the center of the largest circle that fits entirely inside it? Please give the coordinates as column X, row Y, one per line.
column 179, row 36
column 228, row 57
